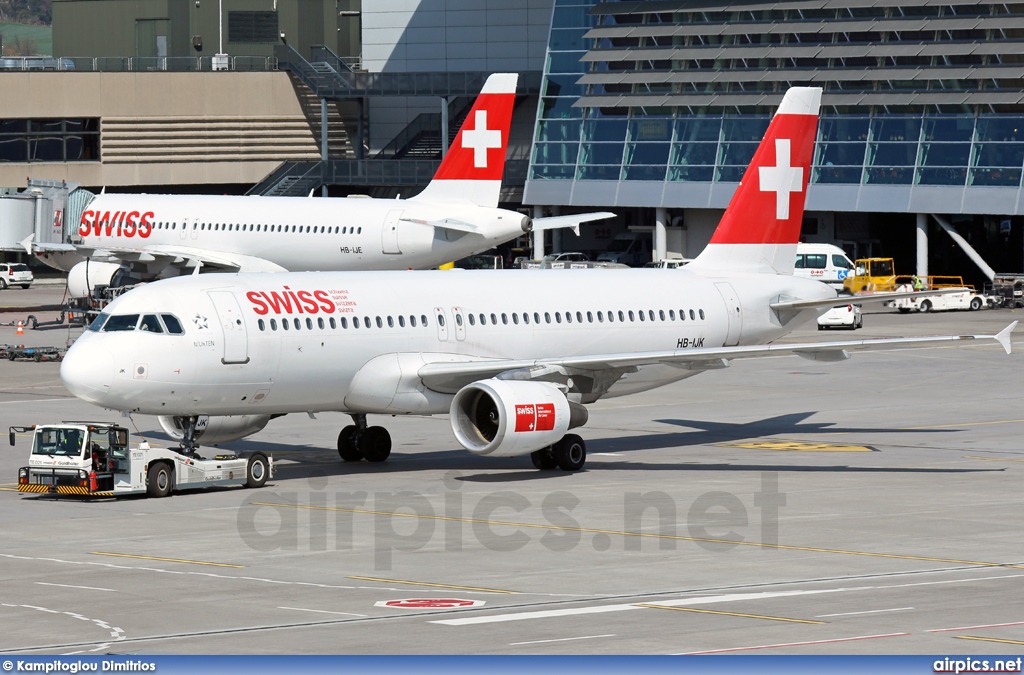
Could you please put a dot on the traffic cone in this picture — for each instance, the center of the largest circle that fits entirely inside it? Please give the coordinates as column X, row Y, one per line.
column 21, row 328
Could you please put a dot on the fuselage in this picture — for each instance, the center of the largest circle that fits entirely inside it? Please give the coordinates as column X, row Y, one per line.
column 298, row 234
column 281, row 343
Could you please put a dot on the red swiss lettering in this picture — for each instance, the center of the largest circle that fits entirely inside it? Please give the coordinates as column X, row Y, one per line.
column 258, row 305
column 526, row 417
column 325, row 301
column 145, row 226
column 83, row 227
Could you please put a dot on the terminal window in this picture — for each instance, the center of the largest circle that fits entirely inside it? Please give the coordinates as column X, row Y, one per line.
column 50, row 140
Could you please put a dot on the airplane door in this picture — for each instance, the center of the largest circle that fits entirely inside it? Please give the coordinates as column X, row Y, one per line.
column 442, row 324
column 229, row 316
column 184, row 228
column 194, row 227
column 460, row 324
column 732, row 311
column 389, row 234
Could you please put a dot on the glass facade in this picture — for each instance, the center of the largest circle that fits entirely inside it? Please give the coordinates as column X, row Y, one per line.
column 664, row 93
column 50, row 140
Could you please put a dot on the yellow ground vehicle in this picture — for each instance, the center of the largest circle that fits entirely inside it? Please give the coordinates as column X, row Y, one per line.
column 871, row 275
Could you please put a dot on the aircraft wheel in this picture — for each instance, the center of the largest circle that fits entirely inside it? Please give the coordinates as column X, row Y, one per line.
column 257, row 471
column 347, row 448
column 375, row 444
column 543, row 459
column 158, row 480
column 570, row 453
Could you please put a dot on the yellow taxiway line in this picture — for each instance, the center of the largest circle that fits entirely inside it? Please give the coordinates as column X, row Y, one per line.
column 175, row 560
column 985, row 639
column 747, row 616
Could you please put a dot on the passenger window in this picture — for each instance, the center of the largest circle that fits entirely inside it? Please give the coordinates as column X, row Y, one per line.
column 284, row 324
column 472, row 320
column 515, row 318
column 702, row 315
column 590, row 318
column 650, row 314
column 494, row 320
column 366, row 322
column 380, row 324
column 355, row 322
column 558, row 317
column 800, row 261
column 641, row 313
column 344, row 323
column 121, row 323
column 458, row 319
column 692, row 316
column 440, row 320
column 631, row 317
column 273, row 324
column 672, row 314
column 568, row 317
column 661, row 314
column 297, row 324
column 611, row 317
column 504, row 318
column 600, row 317
column 150, row 324
column 412, row 320
column 536, row 317
column 309, row 323
column 334, row 325
column 579, row 317
column 526, row 318
column 622, row 316
column 260, row 323
column 547, row 317
column 391, row 322
column 320, row 322
column 816, row 261
column 401, row 321
column 423, row 320
column 483, row 319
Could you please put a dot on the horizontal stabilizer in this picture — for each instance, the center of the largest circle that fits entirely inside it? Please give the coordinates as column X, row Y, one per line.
column 446, row 224
column 572, row 221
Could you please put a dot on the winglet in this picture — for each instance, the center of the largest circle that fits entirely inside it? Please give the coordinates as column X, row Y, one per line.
column 1003, row 337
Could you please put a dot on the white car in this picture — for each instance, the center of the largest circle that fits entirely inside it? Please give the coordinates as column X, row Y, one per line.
column 842, row 315
column 15, row 274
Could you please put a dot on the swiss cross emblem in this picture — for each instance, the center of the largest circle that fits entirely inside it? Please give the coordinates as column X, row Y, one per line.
column 480, row 139
column 782, row 179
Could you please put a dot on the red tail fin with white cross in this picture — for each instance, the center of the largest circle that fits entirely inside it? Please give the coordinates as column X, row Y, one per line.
column 472, row 168
column 761, row 227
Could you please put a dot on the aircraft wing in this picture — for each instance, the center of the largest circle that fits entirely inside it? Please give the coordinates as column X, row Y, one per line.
column 450, row 377
column 865, row 299
column 182, row 256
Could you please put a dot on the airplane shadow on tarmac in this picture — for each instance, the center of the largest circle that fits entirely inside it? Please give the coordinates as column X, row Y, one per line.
column 316, row 462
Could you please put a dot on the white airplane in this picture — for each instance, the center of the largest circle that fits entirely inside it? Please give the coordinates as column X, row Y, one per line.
column 455, row 216
column 513, row 356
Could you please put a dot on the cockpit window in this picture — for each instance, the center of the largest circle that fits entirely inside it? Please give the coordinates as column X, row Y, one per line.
column 124, row 322
column 151, row 324
column 173, row 325
column 98, row 322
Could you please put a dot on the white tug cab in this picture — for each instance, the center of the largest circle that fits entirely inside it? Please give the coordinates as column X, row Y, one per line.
column 95, row 460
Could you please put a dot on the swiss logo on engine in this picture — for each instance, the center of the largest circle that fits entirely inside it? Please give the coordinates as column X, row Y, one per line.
column 535, row 417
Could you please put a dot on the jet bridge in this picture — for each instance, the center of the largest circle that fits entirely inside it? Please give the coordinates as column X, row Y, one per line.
column 45, row 212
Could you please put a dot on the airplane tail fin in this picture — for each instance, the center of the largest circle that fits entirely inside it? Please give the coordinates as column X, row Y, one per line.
column 472, row 168
column 761, row 226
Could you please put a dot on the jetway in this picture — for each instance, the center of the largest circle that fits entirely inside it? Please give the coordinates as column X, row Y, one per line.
column 45, row 212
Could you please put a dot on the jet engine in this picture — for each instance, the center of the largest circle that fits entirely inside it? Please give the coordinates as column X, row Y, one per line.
column 502, row 418
column 215, row 430
column 85, row 276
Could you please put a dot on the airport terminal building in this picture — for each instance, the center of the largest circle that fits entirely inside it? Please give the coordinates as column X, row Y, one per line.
column 650, row 109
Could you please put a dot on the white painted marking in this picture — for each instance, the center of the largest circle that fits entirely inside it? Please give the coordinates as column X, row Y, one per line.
column 39, row 400
column 782, row 179
column 480, row 138
column 582, row 637
column 794, row 644
column 870, row 611
column 320, row 611
column 991, row 625
column 606, row 454
column 86, row 588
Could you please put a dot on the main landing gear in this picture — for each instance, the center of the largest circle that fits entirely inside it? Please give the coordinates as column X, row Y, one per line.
column 358, row 441
column 568, row 454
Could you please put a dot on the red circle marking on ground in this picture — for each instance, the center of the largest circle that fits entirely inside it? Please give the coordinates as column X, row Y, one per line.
column 420, row 603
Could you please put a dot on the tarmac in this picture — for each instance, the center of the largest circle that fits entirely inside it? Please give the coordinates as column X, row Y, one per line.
column 781, row 506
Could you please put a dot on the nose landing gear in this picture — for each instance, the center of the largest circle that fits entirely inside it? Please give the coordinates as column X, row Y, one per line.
column 358, row 441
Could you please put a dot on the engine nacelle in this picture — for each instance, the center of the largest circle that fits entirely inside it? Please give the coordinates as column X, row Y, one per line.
column 503, row 418
column 85, row 276
column 215, row 430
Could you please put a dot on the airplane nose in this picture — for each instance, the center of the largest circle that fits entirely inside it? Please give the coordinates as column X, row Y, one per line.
column 88, row 371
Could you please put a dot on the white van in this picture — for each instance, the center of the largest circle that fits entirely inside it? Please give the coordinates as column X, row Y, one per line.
column 824, row 262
